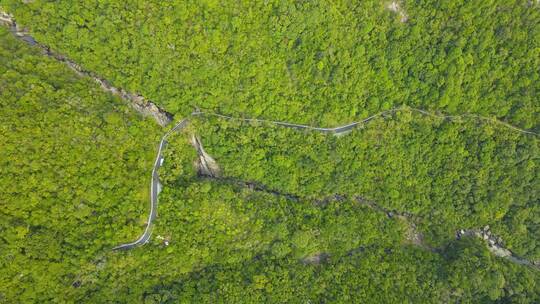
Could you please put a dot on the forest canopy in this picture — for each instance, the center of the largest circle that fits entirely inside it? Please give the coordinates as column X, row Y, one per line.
column 319, row 62
column 410, row 207
column 74, row 165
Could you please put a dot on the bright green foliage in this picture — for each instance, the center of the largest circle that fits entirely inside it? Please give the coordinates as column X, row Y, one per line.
column 249, row 221
column 285, row 222
column 450, row 174
column 281, row 176
column 374, row 274
column 74, row 166
column 320, row 62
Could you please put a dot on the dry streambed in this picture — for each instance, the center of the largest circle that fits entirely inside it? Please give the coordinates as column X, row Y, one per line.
column 136, row 101
column 413, row 236
column 207, row 166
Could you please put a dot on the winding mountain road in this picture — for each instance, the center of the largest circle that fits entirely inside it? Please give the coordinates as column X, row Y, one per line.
column 154, row 190
column 155, row 185
column 148, row 108
column 350, row 126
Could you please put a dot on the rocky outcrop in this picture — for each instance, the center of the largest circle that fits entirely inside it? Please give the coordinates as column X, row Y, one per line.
column 136, row 101
column 205, row 164
column 412, row 234
column 395, row 6
column 6, row 19
column 495, row 245
column 316, row 259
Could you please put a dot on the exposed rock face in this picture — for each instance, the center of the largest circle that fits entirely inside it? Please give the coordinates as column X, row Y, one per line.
column 137, row 102
column 316, row 259
column 499, row 251
column 205, row 164
column 395, row 6
column 412, row 235
column 495, row 244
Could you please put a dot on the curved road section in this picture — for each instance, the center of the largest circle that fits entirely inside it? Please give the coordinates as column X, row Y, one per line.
column 155, row 185
column 154, row 190
column 348, row 127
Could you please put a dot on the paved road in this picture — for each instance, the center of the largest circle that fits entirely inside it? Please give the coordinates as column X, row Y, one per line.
column 155, row 185
column 336, row 130
column 349, row 127
column 154, row 191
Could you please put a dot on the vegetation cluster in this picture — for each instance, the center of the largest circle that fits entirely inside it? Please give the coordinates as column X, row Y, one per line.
column 74, row 166
column 318, row 62
column 295, row 216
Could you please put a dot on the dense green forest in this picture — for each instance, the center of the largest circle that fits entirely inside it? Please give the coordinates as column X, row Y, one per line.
column 73, row 165
column 291, row 216
column 449, row 174
column 319, row 62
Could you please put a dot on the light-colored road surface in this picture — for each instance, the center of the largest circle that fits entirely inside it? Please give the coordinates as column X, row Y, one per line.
column 148, row 108
column 350, row 126
column 155, row 185
column 154, row 190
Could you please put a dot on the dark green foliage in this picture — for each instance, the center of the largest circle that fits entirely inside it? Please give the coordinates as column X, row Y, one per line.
column 393, row 161
column 74, row 164
column 320, row 62
column 450, row 174
column 295, row 217
column 375, row 274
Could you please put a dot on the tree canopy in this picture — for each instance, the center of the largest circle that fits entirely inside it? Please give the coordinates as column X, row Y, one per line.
column 383, row 213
